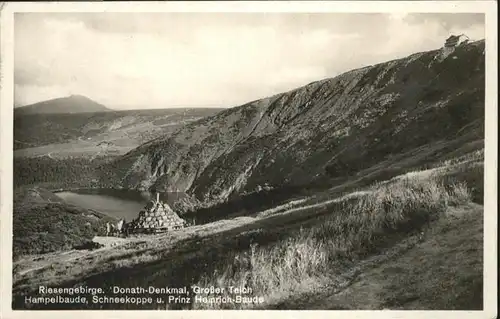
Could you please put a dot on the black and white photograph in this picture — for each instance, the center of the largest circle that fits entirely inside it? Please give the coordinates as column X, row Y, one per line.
column 239, row 159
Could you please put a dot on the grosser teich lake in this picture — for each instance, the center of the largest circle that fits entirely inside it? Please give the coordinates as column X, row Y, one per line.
column 115, row 202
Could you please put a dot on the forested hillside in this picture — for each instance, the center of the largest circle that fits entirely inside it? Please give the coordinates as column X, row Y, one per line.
column 55, row 174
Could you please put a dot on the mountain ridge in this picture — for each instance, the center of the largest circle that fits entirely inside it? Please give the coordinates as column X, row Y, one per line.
column 328, row 129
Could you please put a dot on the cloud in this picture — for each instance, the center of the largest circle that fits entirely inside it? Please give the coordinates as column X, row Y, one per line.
column 447, row 21
column 133, row 60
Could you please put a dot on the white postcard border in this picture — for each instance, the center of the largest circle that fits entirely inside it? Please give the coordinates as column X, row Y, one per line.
column 491, row 128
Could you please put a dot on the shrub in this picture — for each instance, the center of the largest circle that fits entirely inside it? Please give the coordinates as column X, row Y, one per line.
column 47, row 227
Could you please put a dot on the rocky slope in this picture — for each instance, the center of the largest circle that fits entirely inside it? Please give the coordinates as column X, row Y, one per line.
column 328, row 129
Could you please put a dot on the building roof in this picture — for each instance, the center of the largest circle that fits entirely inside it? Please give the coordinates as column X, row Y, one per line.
column 453, row 40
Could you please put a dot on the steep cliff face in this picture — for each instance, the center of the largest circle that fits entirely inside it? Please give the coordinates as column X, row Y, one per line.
column 327, row 129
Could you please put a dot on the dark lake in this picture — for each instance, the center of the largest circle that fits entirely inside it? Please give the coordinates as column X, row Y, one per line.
column 115, row 202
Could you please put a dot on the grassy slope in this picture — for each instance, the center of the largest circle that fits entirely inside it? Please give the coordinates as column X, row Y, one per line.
column 358, row 228
column 301, row 250
column 449, row 271
column 438, row 271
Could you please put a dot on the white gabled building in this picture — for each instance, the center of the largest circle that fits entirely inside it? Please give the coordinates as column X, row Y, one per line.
column 456, row 40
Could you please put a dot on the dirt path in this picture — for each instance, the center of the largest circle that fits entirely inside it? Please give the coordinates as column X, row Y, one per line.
column 290, row 207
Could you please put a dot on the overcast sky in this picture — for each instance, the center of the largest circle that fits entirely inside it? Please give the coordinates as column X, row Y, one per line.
column 160, row 60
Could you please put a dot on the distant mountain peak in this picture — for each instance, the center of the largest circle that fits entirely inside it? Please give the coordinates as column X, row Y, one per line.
column 79, row 96
column 74, row 103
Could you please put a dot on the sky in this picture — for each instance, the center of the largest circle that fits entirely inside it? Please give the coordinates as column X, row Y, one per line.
column 162, row 60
